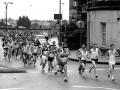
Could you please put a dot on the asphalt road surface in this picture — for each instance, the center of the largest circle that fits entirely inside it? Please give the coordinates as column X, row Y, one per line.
column 37, row 80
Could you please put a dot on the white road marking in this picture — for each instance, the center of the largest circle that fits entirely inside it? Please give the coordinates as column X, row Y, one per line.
column 12, row 89
column 33, row 71
column 117, row 68
column 101, row 69
column 47, row 71
column 94, row 87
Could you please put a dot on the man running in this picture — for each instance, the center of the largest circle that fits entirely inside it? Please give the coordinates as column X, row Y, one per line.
column 84, row 57
column 111, row 54
column 95, row 52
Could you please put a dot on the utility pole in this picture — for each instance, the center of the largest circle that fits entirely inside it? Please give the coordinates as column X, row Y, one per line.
column 6, row 5
column 59, row 21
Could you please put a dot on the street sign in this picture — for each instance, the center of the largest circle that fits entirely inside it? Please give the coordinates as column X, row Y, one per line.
column 80, row 24
column 57, row 16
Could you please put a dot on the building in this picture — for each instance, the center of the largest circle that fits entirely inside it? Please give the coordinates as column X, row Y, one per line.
column 103, row 19
column 43, row 23
column 77, row 13
column 74, row 12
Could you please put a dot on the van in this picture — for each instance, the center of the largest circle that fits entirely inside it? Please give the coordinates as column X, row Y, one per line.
column 41, row 38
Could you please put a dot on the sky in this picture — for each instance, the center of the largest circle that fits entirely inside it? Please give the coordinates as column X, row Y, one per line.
column 40, row 9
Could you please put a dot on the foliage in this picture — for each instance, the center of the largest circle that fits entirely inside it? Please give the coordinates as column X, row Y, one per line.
column 35, row 25
column 24, row 21
column 2, row 24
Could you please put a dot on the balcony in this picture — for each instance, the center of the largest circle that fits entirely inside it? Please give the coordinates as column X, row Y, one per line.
column 104, row 5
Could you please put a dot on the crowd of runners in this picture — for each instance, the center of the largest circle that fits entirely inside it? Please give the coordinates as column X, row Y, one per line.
column 28, row 49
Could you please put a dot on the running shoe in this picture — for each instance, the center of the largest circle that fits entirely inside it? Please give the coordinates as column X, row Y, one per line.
column 113, row 79
column 108, row 75
column 65, row 80
column 80, row 72
column 96, row 76
column 55, row 73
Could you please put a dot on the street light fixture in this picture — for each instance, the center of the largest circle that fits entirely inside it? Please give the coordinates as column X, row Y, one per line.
column 6, row 4
column 51, row 17
column 26, row 10
column 62, row 9
column 59, row 20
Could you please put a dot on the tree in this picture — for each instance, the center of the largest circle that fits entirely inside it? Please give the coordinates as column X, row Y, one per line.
column 2, row 24
column 35, row 25
column 24, row 21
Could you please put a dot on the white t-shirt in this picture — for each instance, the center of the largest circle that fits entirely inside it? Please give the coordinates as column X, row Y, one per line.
column 112, row 56
column 84, row 55
column 94, row 53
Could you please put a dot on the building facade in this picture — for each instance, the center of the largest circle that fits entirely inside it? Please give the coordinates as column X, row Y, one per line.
column 74, row 11
column 103, row 19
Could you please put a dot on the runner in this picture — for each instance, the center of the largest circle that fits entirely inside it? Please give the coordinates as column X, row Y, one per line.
column 64, row 59
column 84, row 57
column 6, row 46
column 44, row 56
column 78, row 54
column 9, row 50
column 16, row 49
column 35, row 53
column 51, row 56
column 111, row 54
column 25, row 54
column 58, row 61
column 95, row 52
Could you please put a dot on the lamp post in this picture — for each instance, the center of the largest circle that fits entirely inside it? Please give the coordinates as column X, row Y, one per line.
column 63, row 22
column 51, row 17
column 62, row 9
column 26, row 11
column 6, row 4
column 59, row 19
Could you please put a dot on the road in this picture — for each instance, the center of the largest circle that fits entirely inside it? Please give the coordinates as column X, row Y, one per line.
column 37, row 80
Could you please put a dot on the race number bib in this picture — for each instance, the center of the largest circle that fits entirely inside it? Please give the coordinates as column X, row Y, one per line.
column 64, row 59
column 51, row 55
column 112, row 58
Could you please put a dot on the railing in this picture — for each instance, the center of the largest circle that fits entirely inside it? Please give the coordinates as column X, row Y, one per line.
column 97, row 3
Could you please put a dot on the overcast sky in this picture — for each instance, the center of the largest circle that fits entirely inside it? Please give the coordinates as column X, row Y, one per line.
column 39, row 10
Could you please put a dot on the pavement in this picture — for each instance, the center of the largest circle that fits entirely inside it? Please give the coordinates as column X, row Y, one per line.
column 17, row 66
column 35, row 79
column 102, row 59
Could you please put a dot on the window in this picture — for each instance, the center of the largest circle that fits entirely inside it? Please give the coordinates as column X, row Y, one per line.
column 103, row 29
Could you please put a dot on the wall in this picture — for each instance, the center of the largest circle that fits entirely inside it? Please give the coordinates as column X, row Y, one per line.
column 112, row 27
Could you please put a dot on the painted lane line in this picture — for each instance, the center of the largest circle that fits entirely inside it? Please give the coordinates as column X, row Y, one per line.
column 40, row 71
column 12, row 89
column 117, row 68
column 102, row 69
column 94, row 87
column 97, row 69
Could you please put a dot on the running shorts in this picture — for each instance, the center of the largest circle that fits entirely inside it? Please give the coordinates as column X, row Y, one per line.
column 84, row 61
column 112, row 62
column 95, row 60
column 35, row 54
column 50, row 59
